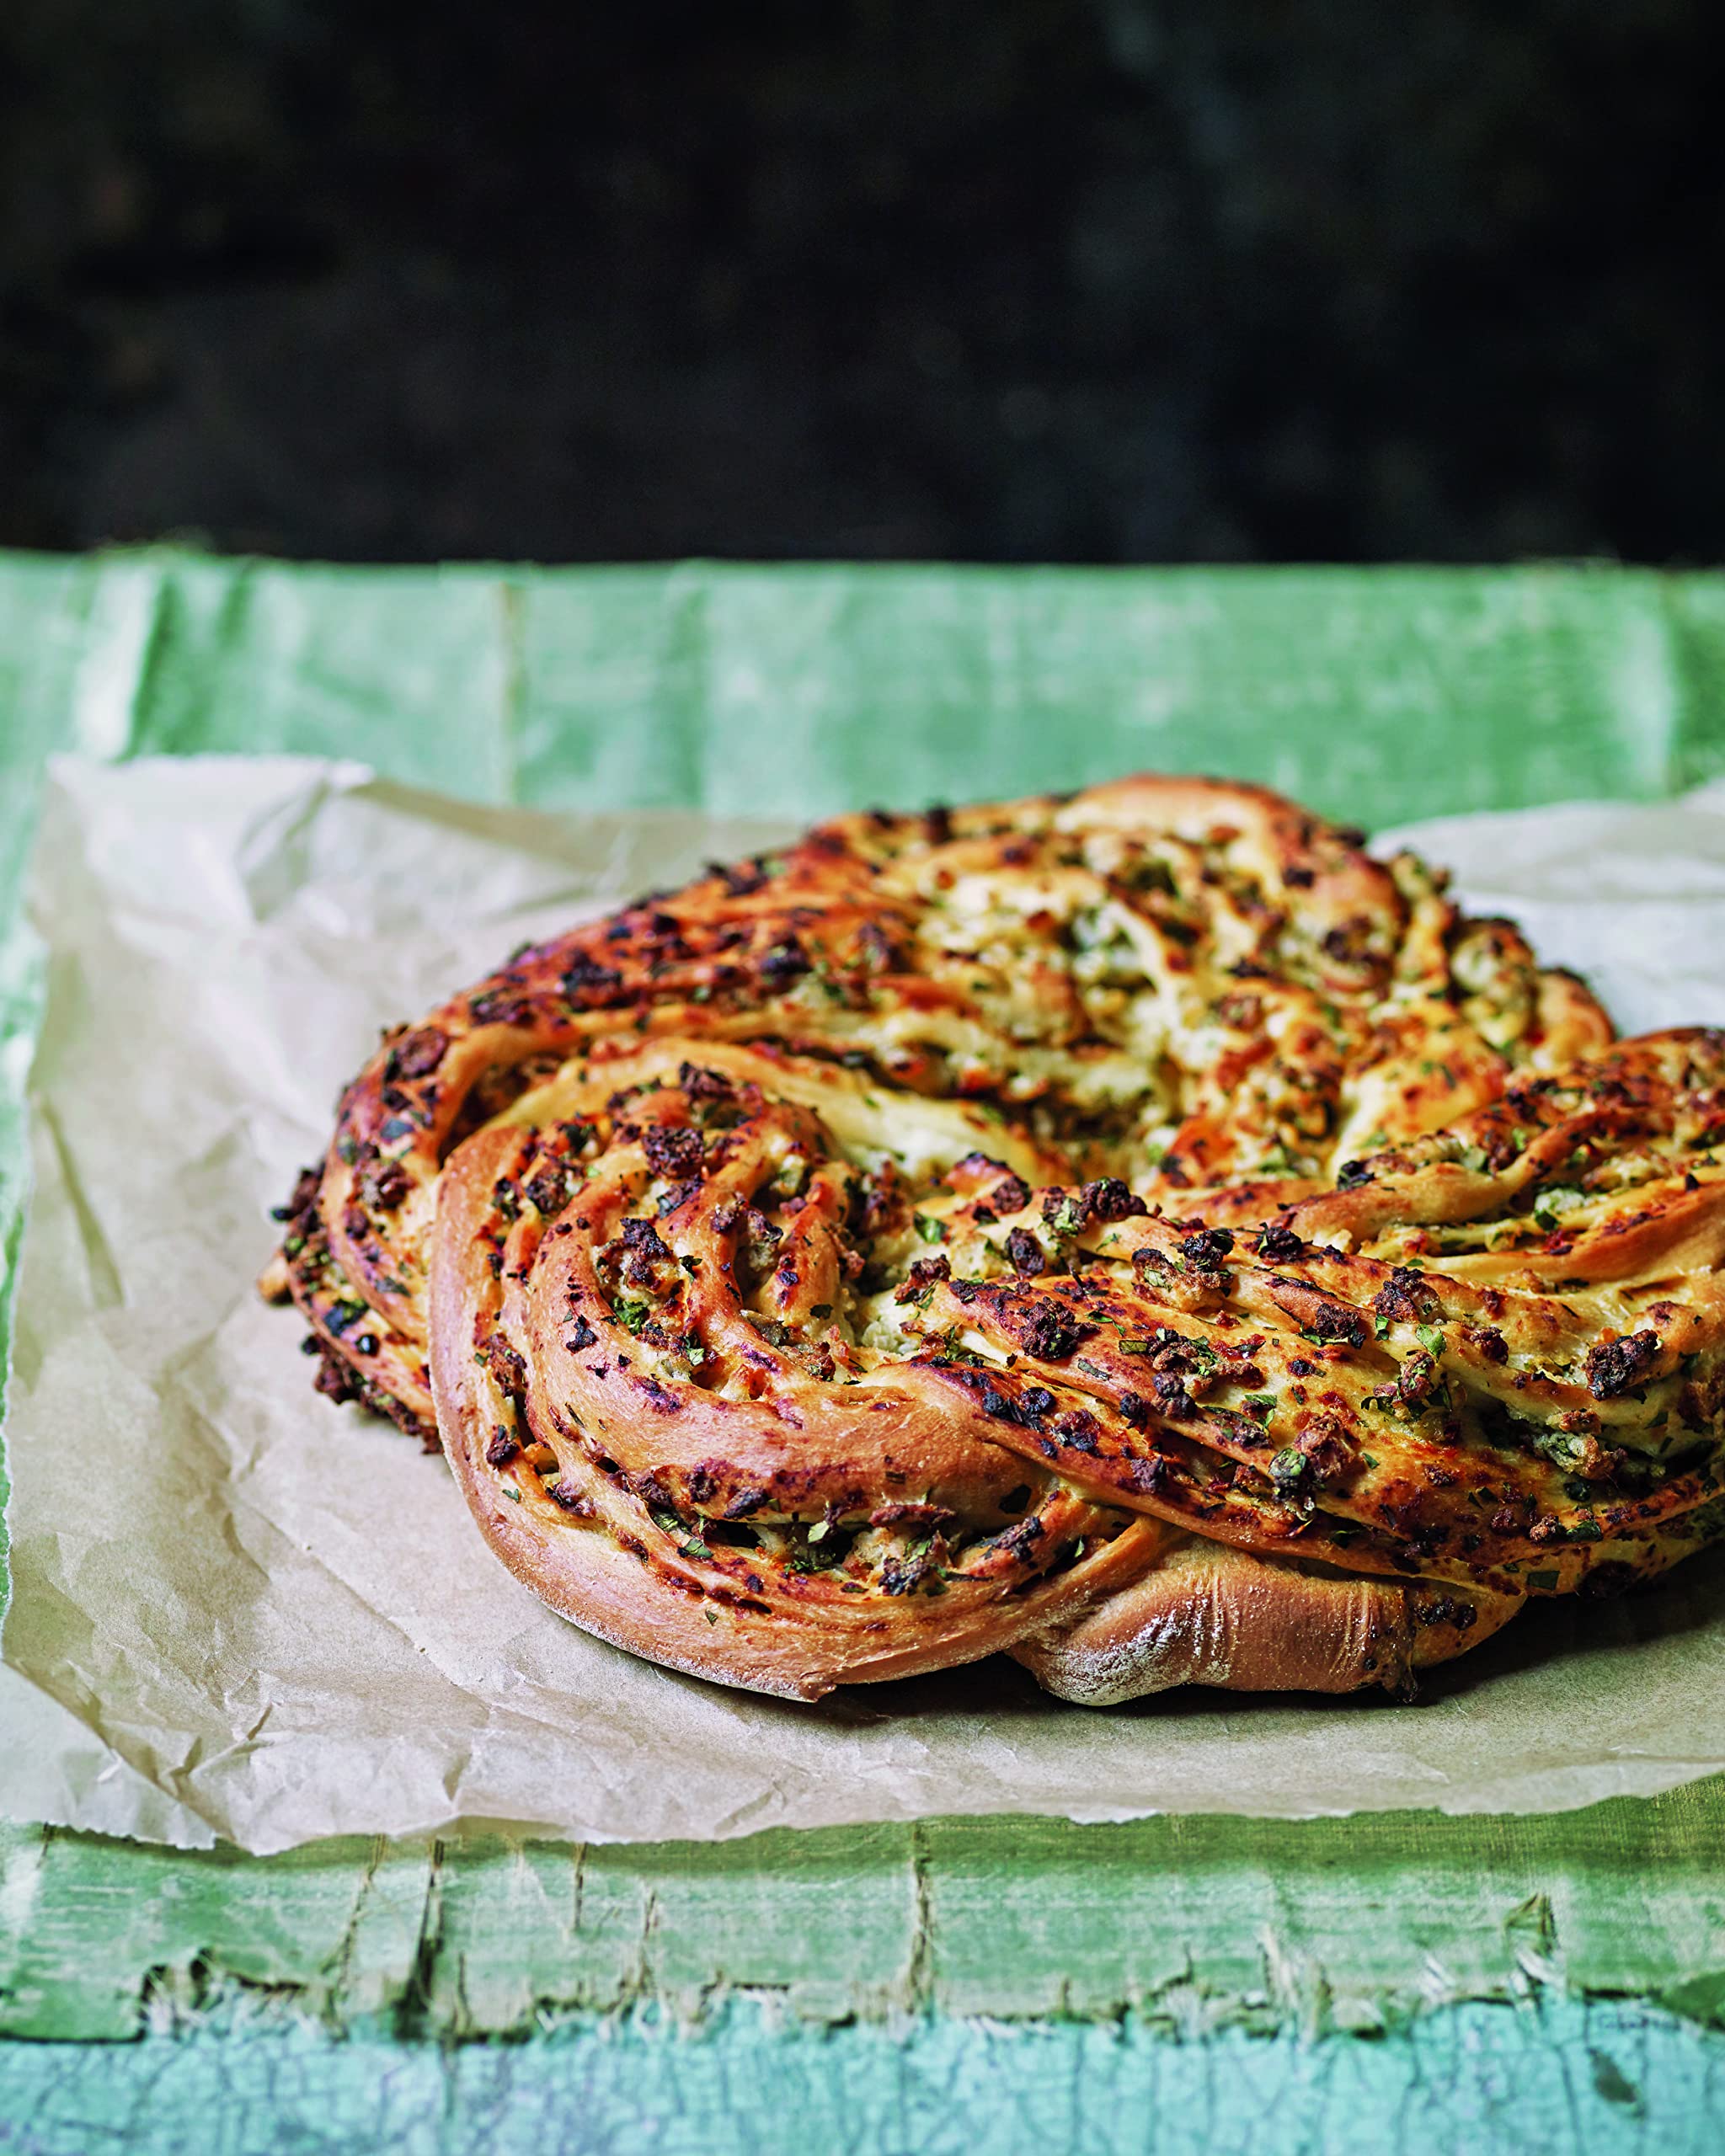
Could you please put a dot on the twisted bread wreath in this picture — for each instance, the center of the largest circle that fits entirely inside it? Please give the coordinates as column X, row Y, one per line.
column 1136, row 1230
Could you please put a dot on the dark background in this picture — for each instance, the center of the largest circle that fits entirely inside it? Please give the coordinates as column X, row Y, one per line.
column 1091, row 279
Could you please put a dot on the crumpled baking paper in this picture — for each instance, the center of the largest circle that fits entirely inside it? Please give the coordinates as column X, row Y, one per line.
column 241, row 1612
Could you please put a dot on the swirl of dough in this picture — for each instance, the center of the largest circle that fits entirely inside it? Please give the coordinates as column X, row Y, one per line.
column 1138, row 1232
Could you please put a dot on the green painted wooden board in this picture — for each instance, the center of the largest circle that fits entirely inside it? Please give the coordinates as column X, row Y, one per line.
column 1583, row 2078
column 1377, row 695
column 1182, row 1921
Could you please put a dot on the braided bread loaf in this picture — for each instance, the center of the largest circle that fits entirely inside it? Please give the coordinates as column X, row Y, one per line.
column 1136, row 1230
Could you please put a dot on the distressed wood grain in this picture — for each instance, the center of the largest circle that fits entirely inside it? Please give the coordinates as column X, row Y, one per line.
column 1554, row 2078
column 1356, row 1925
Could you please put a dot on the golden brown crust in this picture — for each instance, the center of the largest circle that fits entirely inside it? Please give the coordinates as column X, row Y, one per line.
column 1601, row 1173
column 1203, row 1613
column 841, row 1268
column 608, row 1482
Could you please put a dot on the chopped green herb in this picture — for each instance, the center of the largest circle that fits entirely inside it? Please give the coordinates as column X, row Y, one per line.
column 1431, row 1338
column 930, row 1229
column 1560, row 1197
column 1289, row 1468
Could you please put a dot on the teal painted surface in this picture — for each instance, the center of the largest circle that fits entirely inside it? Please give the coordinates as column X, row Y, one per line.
column 1378, row 695
column 1544, row 2080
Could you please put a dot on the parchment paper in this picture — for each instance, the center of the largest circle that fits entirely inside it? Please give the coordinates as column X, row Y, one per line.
column 238, row 1611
